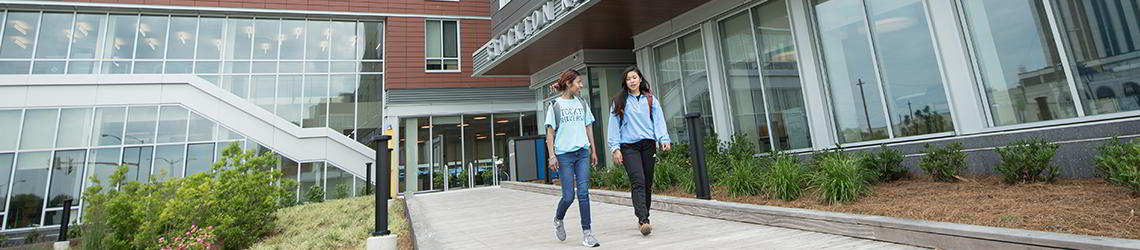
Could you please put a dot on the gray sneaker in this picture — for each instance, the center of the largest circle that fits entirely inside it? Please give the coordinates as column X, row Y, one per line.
column 559, row 231
column 588, row 239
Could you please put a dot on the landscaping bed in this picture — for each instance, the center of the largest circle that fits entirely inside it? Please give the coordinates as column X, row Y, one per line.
column 334, row 224
column 1075, row 206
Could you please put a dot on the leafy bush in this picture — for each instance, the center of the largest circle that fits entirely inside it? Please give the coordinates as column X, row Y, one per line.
column 673, row 169
column 315, row 194
column 742, row 178
column 943, row 163
column 3, row 240
column 1119, row 163
column 238, row 199
column 785, row 177
column 720, row 157
column 840, row 178
column 33, row 237
column 614, row 177
column 486, row 177
column 884, row 165
column 194, row 239
column 342, row 191
column 1027, row 161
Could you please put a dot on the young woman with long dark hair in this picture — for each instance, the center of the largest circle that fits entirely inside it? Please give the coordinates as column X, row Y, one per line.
column 568, row 137
column 636, row 127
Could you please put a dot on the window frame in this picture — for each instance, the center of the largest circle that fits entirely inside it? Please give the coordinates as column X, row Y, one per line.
column 443, row 45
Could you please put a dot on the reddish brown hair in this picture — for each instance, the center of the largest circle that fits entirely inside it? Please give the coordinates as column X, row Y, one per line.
column 564, row 80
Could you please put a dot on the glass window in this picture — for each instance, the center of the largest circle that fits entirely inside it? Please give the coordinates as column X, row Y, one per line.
column 74, row 128
column 316, row 100
column 121, row 34
column 344, row 41
column 5, row 174
column 311, row 175
column 182, row 38
column 138, row 161
column 343, row 67
column 337, row 181
column 169, row 161
column 263, row 90
column 66, row 177
column 777, row 53
column 291, row 67
column 207, row 67
column 27, row 196
column 236, row 84
column 477, row 147
column 1104, row 39
column 909, row 67
column 148, row 67
column 108, row 123
column 423, row 148
column 239, row 38
column 140, row 125
column 210, row 44
column 316, row 67
column 342, row 104
column 744, row 87
column 101, row 164
column 264, row 67
column 179, row 67
column 9, row 128
column 266, row 39
column 52, row 43
column 201, row 129
column 151, row 42
column 852, row 80
column 369, row 105
column 289, row 170
column 53, row 218
column 289, row 98
column 48, row 67
column 442, row 40
column 172, row 124
column 85, row 41
column 529, row 123
column 696, row 79
column 237, row 67
column 292, row 39
column 506, row 127
column 14, row 68
column 373, row 34
column 19, row 35
column 318, row 44
column 199, row 158
column 1023, row 81
column 668, row 90
column 78, row 67
column 39, row 128
column 448, row 150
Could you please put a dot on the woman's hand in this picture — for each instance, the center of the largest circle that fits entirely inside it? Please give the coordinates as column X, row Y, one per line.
column 667, row 146
column 552, row 163
column 617, row 157
column 593, row 159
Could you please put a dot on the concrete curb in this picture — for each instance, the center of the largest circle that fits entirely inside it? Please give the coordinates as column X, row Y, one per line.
column 904, row 231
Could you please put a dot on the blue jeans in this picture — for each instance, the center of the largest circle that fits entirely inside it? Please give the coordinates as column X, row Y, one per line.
column 574, row 171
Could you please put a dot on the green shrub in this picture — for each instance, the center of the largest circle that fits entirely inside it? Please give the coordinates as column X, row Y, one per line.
column 884, row 165
column 720, row 157
column 3, row 240
column 785, row 177
column 943, row 163
column 742, row 178
column 1027, row 161
column 33, row 237
column 315, row 194
column 486, row 177
column 238, row 199
column 1119, row 163
column 615, row 177
column 342, row 191
column 366, row 190
column 840, row 178
column 673, row 169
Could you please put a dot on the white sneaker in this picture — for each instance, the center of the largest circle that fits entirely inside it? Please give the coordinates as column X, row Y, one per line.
column 559, row 230
column 588, row 239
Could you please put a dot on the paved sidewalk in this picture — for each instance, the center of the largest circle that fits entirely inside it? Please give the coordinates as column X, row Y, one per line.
column 498, row 218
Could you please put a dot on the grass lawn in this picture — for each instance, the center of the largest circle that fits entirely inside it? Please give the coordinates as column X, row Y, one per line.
column 334, row 224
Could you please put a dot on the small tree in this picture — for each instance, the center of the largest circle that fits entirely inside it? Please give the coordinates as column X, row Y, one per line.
column 315, row 194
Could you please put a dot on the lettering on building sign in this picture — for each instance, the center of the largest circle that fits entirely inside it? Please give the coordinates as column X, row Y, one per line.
column 532, row 24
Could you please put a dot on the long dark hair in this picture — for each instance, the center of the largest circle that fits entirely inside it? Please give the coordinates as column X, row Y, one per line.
column 619, row 98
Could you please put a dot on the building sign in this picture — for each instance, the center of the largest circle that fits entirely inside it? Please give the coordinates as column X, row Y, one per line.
column 548, row 13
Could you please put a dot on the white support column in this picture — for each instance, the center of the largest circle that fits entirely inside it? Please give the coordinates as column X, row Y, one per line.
column 411, row 157
column 811, row 76
column 722, row 117
column 961, row 85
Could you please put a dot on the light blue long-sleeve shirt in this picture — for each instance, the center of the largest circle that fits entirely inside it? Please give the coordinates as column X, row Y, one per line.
column 637, row 125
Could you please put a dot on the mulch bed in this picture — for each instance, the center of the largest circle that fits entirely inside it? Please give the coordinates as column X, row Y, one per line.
column 1075, row 206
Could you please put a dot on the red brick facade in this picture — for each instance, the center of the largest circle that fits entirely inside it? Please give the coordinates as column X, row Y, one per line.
column 404, row 58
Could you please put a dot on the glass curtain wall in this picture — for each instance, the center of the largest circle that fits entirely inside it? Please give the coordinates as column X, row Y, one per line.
column 761, row 68
column 682, row 79
column 312, row 72
column 466, row 147
column 883, row 73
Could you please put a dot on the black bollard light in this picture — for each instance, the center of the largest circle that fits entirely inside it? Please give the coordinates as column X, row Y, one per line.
column 367, row 177
column 697, row 151
column 66, row 213
column 382, row 152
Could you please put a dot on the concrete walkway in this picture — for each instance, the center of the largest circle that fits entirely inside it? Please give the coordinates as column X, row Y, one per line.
column 498, row 218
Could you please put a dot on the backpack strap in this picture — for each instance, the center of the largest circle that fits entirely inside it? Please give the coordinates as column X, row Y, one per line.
column 557, row 114
column 650, row 106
